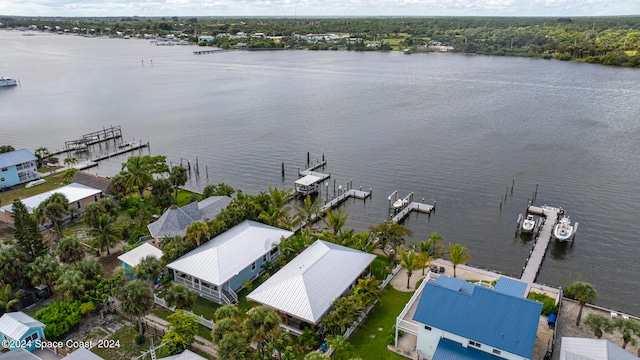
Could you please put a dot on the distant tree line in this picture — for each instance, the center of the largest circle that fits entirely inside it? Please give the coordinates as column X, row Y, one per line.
column 611, row 40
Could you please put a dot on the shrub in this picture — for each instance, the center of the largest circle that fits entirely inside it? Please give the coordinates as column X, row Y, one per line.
column 139, row 339
column 548, row 303
column 60, row 316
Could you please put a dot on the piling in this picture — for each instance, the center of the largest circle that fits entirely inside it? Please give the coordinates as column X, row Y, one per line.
column 513, row 182
column 282, row 170
column 308, row 161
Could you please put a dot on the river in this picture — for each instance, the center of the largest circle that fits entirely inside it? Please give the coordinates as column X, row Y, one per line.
column 451, row 128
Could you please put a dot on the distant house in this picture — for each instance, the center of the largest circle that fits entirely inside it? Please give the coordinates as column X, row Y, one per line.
column 132, row 258
column 17, row 327
column 592, row 349
column 303, row 291
column 18, row 354
column 205, row 38
column 175, row 220
column 216, row 269
column 97, row 182
column 460, row 320
column 78, row 195
column 17, row 167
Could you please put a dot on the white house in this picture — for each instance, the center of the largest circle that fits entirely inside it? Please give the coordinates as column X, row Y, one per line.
column 216, row 269
column 303, row 291
column 573, row 348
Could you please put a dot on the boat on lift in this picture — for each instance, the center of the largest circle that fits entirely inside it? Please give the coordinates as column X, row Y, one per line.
column 529, row 224
column 400, row 203
column 7, row 81
column 564, row 230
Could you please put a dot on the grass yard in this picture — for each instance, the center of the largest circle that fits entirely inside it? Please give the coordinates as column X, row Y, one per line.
column 20, row 192
column 369, row 342
column 125, row 347
column 184, row 197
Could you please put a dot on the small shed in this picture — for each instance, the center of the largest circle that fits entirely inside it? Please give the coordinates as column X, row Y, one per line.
column 18, row 328
column 132, row 258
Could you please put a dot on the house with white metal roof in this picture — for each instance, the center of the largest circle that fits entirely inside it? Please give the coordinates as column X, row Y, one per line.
column 82, row 354
column 79, row 196
column 17, row 167
column 185, row 355
column 175, row 220
column 303, row 291
column 216, row 269
column 460, row 320
column 132, row 258
column 19, row 330
column 573, row 348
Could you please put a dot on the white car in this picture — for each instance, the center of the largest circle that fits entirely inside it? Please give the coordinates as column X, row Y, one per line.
column 35, row 183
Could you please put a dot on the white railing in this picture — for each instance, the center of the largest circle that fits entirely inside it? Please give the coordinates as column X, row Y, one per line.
column 201, row 319
column 400, row 319
column 387, row 280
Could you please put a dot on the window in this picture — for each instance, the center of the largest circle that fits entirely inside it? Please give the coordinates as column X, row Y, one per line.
column 253, row 267
column 4, row 169
column 427, row 327
column 78, row 204
column 274, row 250
column 95, row 198
column 1, row 179
column 264, row 258
column 497, row 352
column 476, row 344
column 33, row 337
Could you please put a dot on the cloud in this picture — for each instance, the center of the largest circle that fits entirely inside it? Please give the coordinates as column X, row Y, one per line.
column 320, row 8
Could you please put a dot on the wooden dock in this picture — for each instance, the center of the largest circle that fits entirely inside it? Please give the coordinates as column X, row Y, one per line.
column 358, row 194
column 413, row 206
column 210, row 51
column 132, row 146
column 531, row 269
column 92, row 138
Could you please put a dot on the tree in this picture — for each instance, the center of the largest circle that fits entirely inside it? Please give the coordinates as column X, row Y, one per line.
column 6, row 149
column 409, row 260
column 221, row 189
column 458, row 254
column 432, row 246
column 8, row 299
column 93, row 211
column 339, row 343
column 12, row 260
column 628, row 329
column 182, row 332
column 41, row 154
column 582, row 292
column 316, row 356
column 263, row 325
column 598, row 324
column 44, row 270
column 335, row 220
column 26, row 231
column 105, row 234
column 149, row 268
column 54, row 208
column 71, row 285
column 138, row 171
column 91, row 270
column 308, row 210
column 178, row 177
column 161, row 193
column 70, row 161
column 70, row 250
column 389, row 236
column 230, row 335
column 180, row 296
column 196, row 233
column 136, row 299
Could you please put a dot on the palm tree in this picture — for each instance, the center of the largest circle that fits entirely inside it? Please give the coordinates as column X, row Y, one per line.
column 582, row 292
column 180, row 296
column 44, row 270
column 264, row 326
column 149, row 268
column 12, row 260
column 136, row 299
column 70, row 250
column 458, row 254
column 71, row 285
column 178, row 176
column 8, row 299
column 137, row 174
column 598, row 324
column 308, row 210
column 41, row 154
column 106, row 233
column 196, row 232
column 432, row 246
column 628, row 329
column 389, row 236
column 335, row 220
column 410, row 260
column 54, row 208
column 91, row 270
column 70, row 161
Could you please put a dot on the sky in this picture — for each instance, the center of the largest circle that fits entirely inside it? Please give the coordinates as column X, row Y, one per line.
column 292, row 8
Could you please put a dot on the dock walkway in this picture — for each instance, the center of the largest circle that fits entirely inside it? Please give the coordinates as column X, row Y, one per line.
column 358, row 194
column 413, row 206
column 534, row 262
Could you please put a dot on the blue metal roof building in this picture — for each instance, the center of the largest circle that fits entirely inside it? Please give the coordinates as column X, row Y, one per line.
column 17, row 167
column 495, row 321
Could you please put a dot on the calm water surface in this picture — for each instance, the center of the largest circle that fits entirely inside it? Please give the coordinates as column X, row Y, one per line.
column 451, row 128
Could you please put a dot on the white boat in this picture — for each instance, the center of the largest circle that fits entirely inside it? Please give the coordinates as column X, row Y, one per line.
column 563, row 229
column 528, row 224
column 400, row 203
column 78, row 146
column 124, row 144
column 7, row 81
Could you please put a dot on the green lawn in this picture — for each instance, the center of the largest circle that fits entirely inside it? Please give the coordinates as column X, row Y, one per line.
column 125, row 347
column 184, row 197
column 20, row 192
column 382, row 316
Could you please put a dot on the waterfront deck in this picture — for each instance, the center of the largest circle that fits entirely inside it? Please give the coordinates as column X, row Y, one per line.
column 92, row 138
column 413, row 206
column 358, row 194
column 530, row 271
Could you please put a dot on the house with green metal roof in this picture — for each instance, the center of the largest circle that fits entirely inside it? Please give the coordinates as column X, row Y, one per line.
column 458, row 320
